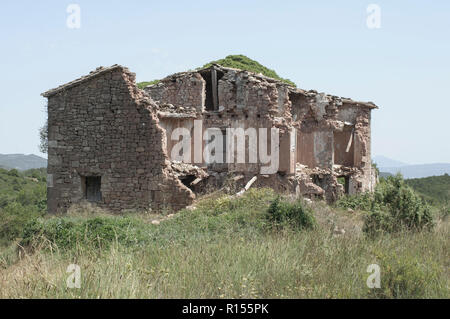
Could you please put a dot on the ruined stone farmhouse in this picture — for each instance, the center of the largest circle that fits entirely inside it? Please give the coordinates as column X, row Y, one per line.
column 110, row 143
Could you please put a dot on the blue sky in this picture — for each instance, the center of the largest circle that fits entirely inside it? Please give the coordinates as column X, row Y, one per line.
column 404, row 67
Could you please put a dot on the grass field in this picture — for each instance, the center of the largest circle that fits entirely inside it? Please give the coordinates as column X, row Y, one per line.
column 225, row 248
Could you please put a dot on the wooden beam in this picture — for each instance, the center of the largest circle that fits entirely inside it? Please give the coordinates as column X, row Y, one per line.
column 214, row 89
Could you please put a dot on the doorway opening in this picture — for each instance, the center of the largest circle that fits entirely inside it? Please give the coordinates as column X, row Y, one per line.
column 345, row 181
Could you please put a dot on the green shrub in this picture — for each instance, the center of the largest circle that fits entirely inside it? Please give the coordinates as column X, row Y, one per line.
column 238, row 62
column 403, row 276
column 362, row 201
column 35, row 197
column 14, row 172
column 142, row 85
column 213, row 218
column 242, row 62
column 67, row 233
column 392, row 207
column 13, row 218
column 23, row 197
column 225, row 214
column 378, row 221
column 395, row 207
column 295, row 214
column 4, row 200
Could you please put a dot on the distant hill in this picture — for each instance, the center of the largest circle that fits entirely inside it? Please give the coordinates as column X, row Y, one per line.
column 419, row 171
column 388, row 166
column 21, row 161
column 238, row 61
column 385, row 174
column 435, row 189
column 13, row 181
column 383, row 161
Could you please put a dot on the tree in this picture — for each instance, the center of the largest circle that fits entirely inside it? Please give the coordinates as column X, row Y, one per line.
column 43, row 134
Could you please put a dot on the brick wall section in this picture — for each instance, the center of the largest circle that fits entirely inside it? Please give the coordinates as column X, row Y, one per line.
column 105, row 126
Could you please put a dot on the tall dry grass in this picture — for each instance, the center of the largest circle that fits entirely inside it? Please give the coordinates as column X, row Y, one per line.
column 224, row 249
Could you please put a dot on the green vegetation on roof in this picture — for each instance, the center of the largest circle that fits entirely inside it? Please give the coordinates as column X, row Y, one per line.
column 142, row 85
column 237, row 62
column 244, row 63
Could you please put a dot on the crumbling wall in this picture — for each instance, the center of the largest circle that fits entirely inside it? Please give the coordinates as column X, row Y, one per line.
column 332, row 133
column 317, row 130
column 169, row 125
column 244, row 101
column 103, row 125
column 185, row 91
column 362, row 150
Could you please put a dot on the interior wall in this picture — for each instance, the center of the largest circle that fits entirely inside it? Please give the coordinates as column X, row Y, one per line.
column 305, row 148
column 170, row 124
column 341, row 141
column 323, row 148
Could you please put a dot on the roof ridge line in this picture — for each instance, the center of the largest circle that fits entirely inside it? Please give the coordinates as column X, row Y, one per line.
column 99, row 70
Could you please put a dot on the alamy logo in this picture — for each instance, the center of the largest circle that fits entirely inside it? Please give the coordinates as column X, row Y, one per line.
column 229, row 145
column 74, row 19
column 374, row 279
column 74, row 279
column 373, row 20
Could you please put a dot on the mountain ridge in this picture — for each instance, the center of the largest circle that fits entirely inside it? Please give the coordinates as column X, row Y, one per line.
column 22, row 162
column 419, row 171
column 383, row 161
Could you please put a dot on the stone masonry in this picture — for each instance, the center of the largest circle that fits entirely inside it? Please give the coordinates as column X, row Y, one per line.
column 324, row 139
column 110, row 142
column 103, row 126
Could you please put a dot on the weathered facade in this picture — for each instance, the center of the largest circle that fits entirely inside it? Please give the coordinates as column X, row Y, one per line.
column 111, row 143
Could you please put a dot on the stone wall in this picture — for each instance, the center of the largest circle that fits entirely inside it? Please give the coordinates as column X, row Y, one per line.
column 316, row 129
column 104, row 126
column 184, row 90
